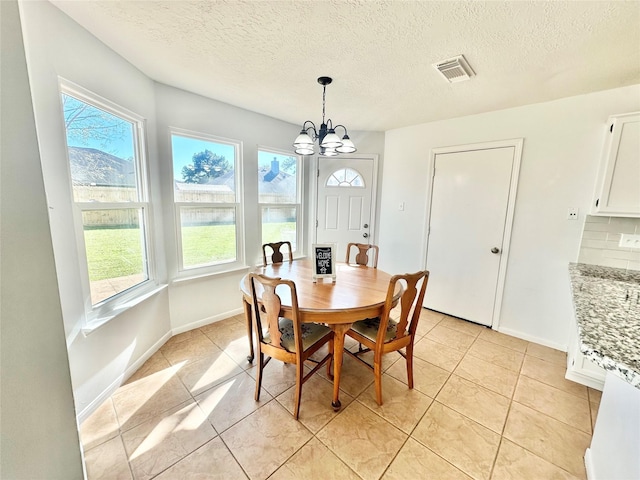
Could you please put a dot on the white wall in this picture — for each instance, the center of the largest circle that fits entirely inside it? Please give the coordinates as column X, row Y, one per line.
column 200, row 301
column 562, row 145
column 38, row 425
column 56, row 46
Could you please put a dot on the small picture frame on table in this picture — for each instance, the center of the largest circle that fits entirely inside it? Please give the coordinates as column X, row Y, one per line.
column 324, row 261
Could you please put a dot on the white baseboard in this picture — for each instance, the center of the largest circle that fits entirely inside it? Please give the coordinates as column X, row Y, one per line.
column 584, row 379
column 206, row 321
column 588, row 465
column 531, row 338
column 110, row 390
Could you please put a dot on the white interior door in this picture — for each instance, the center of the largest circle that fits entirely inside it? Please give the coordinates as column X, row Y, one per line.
column 469, row 203
column 344, row 206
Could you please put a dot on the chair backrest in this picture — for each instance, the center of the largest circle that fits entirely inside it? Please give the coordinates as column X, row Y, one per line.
column 267, row 306
column 410, row 303
column 276, row 255
column 362, row 257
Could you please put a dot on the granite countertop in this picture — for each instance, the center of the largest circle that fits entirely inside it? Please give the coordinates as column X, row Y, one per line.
column 607, row 306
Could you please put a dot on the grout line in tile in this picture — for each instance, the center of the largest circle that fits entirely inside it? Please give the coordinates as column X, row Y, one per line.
column 554, row 387
column 234, row 457
column 495, row 458
column 427, row 447
column 357, row 398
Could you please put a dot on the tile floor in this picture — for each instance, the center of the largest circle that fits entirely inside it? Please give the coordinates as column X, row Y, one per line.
column 485, row 405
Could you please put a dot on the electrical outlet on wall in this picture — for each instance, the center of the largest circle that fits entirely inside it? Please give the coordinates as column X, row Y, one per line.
column 572, row 213
column 629, row 241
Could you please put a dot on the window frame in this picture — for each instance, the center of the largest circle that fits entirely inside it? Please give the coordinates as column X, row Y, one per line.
column 96, row 315
column 223, row 267
column 298, row 251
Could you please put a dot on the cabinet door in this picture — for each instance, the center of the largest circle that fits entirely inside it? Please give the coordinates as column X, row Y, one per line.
column 618, row 190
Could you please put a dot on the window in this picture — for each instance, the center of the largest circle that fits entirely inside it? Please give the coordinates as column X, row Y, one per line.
column 206, row 195
column 279, row 197
column 345, row 177
column 109, row 184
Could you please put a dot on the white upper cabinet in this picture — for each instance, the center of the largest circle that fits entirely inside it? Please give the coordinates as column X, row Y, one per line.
column 618, row 186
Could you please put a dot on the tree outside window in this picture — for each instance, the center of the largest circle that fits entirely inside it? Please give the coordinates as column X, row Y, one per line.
column 206, row 200
column 103, row 145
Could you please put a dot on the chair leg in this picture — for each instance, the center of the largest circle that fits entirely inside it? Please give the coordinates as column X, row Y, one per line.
column 259, row 375
column 299, row 376
column 249, row 319
column 409, row 358
column 377, row 372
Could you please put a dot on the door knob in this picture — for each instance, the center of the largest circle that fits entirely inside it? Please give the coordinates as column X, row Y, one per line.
column 365, row 235
column 495, row 250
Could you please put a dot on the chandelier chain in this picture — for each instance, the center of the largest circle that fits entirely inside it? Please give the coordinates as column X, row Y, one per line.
column 324, row 93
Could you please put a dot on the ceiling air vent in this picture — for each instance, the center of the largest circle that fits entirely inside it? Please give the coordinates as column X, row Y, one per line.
column 454, row 69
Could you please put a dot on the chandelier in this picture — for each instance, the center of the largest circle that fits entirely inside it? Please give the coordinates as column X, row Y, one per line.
column 330, row 143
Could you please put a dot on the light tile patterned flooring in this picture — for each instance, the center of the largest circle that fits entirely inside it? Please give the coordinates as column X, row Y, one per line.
column 485, row 405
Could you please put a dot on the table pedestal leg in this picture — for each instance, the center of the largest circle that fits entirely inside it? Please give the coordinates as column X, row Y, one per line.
column 247, row 314
column 339, row 331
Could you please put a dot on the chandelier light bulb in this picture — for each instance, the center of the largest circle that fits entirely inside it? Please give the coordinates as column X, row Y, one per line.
column 305, row 150
column 329, row 152
column 347, row 145
column 303, row 140
column 331, row 140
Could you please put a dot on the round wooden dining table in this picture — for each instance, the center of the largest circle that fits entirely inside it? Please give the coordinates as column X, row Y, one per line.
column 358, row 293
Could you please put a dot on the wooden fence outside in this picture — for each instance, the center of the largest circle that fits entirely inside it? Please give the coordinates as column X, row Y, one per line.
column 128, row 218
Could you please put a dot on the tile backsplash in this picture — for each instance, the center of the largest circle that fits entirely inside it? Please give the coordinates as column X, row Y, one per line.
column 600, row 242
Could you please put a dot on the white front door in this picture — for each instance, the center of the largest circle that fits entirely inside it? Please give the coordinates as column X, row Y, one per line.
column 344, row 206
column 469, row 206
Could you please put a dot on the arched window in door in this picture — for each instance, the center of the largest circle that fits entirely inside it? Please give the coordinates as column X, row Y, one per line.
column 345, row 177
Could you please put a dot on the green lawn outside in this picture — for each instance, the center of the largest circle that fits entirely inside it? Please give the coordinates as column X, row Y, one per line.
column 113, row 253
column 279, row 231
column 204, row 244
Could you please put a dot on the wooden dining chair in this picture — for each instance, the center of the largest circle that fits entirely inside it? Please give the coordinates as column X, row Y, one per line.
column 276, row 255
column 285, row 339
column 383, row 334
column 362, row 257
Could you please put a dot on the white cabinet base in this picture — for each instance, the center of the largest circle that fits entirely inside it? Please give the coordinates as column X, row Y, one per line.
column 581, row 369
column 615, row 446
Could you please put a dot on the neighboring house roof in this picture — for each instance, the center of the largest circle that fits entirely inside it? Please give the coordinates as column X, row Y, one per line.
column 270, row 183
column 90, row 166
column 282, row 182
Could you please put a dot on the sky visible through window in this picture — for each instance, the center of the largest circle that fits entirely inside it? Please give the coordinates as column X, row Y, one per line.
column 91, row 127
column 265, row 158
column 122, row 144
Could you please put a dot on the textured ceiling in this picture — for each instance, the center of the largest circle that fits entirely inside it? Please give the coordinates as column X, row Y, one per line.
column 265, row 56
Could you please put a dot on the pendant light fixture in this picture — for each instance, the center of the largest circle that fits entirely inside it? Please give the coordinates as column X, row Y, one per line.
column 330, row 143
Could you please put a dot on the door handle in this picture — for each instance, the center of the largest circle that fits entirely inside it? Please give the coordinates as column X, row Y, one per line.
column 495, row 250
column 365, row 235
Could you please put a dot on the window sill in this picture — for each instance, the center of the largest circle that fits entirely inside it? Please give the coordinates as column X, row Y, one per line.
column 177, row 281
column 98, row 322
